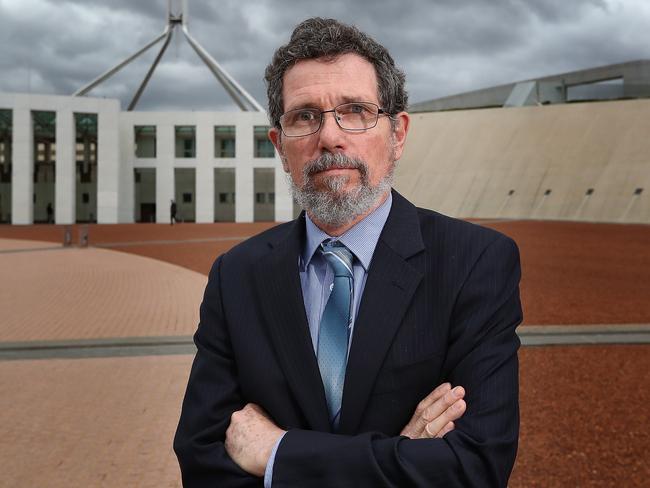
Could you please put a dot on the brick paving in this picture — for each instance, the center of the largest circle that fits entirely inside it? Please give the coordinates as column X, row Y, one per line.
column 573, row 272
column 92, row 293
column 584, row 419
column 9, row 245
column 585, row 413
column 91, row 423
column 584, row 408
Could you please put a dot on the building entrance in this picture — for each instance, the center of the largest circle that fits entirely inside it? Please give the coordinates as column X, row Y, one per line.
column 44, row 130
column 264, row 190
column 185, row 192
column 86, row 167
column 5, row 166
column 224, row 194
column 145, row 194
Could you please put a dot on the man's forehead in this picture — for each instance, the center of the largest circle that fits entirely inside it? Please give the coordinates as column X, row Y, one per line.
column 347, row 77
column 344, row 62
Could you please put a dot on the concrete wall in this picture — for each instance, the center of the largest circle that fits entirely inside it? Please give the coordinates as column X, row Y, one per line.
column 500, row 163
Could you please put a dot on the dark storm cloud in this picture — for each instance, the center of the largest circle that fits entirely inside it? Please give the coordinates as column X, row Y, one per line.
column 445, row 46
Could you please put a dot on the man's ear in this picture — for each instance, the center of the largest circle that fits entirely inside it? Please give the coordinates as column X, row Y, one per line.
column 402, row 121
column 275, row 135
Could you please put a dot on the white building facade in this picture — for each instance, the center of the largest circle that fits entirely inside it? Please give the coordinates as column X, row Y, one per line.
column 81, row 159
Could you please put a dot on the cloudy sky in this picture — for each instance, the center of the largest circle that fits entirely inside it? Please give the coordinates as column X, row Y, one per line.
column 444, row 46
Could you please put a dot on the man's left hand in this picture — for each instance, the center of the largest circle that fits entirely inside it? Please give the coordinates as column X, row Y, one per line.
column 250, row 438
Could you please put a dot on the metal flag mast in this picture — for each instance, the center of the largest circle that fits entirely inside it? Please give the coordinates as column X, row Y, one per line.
column 240, row 96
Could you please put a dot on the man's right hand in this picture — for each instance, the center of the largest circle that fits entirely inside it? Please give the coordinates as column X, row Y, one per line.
column 435, row 415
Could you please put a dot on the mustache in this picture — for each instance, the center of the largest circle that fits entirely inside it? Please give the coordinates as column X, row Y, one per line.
column 334, row 161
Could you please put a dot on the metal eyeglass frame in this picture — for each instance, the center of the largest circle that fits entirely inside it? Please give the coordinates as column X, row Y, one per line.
column 380, row 111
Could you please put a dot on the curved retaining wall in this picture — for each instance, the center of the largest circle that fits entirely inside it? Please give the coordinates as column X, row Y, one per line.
column 571, row 162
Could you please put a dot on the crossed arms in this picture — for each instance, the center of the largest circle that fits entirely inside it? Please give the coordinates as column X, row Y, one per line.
column 224, row 441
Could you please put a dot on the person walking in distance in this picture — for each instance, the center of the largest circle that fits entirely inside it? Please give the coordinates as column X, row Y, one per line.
column 172, row 212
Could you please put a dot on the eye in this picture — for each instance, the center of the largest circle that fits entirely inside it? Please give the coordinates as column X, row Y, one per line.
column 353, row 108
column 305, row 115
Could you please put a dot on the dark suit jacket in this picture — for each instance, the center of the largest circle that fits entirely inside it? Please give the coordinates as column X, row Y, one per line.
column 441, row 303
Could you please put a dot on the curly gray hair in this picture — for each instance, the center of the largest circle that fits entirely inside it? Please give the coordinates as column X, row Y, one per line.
column 328, row 38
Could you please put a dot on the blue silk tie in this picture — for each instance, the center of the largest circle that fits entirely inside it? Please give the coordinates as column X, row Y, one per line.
column 334, row 326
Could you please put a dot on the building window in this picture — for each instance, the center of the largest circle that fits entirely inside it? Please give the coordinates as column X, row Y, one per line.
column 260, row 197
column 40, row 151
column 224, row 141
column 272, row 197
column 85, row 198
column 185, row 141
column 145, row 141
column 187, row 198
column 263, row 146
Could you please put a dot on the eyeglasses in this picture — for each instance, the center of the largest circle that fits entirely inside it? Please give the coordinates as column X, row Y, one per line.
column 354, row 116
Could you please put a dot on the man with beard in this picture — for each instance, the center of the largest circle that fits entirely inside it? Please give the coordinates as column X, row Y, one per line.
column 322, row 340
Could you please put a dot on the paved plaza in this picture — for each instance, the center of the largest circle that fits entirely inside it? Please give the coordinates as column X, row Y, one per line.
column 112, row 323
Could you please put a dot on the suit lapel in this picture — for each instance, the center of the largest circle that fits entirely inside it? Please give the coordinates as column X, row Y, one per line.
column 390, row 286
column 280, row 295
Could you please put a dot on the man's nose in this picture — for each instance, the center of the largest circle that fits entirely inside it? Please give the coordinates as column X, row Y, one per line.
column 331, row 136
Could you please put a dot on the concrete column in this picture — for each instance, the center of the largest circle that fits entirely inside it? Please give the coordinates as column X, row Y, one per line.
column 65, row 179
column 283, row 199
column 126, row 204
column 244, row 198
column 22, row 194
column 204, row 170
column 165, row 170
column 108, row 165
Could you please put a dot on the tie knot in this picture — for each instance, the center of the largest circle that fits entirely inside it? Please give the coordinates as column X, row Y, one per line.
column 338, row 257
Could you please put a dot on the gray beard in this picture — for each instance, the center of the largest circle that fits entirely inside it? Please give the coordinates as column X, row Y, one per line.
column 332, row 205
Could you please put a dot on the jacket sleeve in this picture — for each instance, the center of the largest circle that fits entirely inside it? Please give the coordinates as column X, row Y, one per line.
column 482, row 357
column 211, row 397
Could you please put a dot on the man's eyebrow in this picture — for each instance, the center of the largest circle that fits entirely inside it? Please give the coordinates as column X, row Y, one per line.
column 344, row 99
column 350, row 99
column 303, row 105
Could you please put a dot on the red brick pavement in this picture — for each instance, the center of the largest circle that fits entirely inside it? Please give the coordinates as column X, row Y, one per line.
column 573, row 272
column 584, row 414
column 94, row 293
column 108, row 422
column 91, row 422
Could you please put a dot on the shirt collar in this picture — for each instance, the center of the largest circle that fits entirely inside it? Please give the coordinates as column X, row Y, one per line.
column 361, row 239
